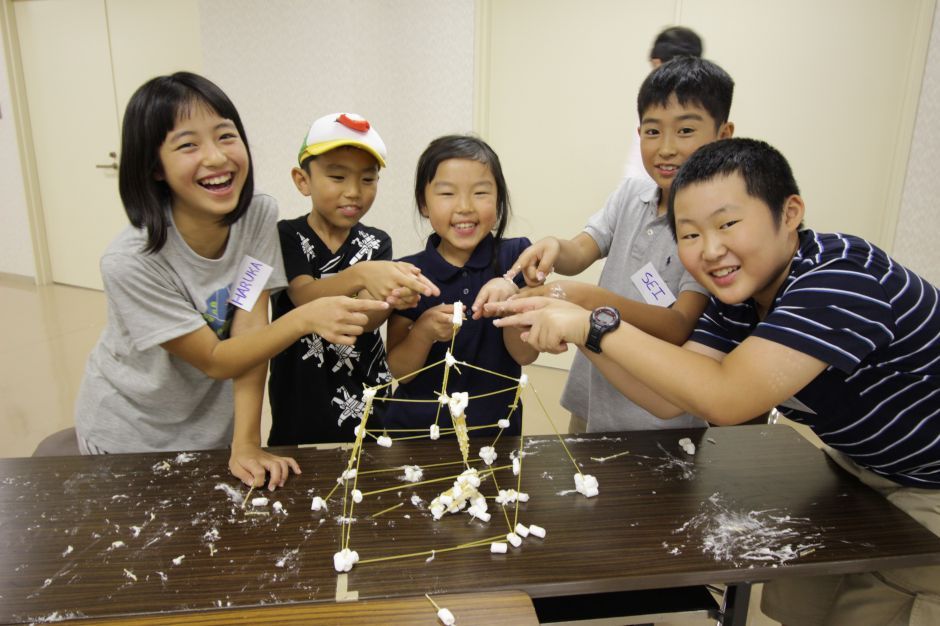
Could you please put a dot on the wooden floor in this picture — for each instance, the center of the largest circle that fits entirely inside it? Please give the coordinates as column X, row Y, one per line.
column 47, row 332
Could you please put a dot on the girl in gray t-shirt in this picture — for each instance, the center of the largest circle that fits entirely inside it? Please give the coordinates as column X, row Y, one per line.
column 182, row 360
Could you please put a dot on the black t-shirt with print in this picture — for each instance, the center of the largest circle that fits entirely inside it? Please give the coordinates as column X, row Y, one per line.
column 316, row 387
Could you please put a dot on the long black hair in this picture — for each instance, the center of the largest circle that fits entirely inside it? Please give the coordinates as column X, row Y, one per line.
column 152, row 113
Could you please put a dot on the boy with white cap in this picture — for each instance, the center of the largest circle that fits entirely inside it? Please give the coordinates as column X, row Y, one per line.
column 315, row 386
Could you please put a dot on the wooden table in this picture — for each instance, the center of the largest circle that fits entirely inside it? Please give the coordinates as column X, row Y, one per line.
column 133, row 534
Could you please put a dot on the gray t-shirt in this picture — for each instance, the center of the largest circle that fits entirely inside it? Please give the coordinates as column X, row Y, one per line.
column 136, row 396
column 630, row 235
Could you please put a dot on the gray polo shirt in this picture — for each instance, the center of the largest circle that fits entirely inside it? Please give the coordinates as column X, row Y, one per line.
column 630, row 235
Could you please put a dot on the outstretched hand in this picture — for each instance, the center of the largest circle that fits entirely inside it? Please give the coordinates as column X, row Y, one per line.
column 549, row 324
column 338, row 319
column 537, row 261
column 396, row 282
column 495, row 290
column 248, row 463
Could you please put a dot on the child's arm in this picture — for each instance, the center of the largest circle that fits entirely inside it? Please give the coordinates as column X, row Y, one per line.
column 395, row 282
column 565, row 256
column 749, row 380
column 409, row 343
column 337, row 319
column 248, row 462
column 521, row 352
column 673, row 324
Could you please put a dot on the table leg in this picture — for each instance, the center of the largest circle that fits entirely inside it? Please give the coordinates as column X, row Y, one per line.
column 735, row 604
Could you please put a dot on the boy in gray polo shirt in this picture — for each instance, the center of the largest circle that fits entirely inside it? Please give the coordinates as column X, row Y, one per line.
column 683, row 105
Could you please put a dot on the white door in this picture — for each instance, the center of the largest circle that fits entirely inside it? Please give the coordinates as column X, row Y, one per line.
column 82, row 59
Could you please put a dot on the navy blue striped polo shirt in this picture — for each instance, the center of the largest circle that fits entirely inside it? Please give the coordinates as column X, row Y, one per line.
column 877, row 325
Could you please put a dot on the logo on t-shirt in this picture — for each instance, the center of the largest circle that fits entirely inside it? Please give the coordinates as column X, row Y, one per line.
column 219, row 313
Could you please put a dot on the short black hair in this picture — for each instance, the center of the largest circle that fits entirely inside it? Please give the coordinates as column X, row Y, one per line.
column 692, row 80
column 151, row 114
column 464, row 147
column 766, row 173
column 676, row 41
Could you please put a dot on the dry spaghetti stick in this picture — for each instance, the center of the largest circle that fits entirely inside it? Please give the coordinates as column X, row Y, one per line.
column 247, row 495
column 391, row 508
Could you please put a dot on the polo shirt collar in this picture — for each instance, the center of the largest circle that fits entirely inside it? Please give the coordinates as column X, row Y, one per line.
column 438, row 268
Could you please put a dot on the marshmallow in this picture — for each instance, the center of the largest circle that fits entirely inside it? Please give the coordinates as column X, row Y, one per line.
column 488, row 454
column 356, row 496
column 449, row 359
column 458, row 402
column 522, row 496
column 259, row 502
column 686, row 444
column 344, row 560
column 479, row 513
column 446, row 500
column 458, row 313
column 537, row 531
column 586, row 484
column 516, row 467
column 358, row 430
column 385, row 441
column 279, row 508
column 347, row 475
column 318, row 504
column 368, row 393
column 498, row 547
column 435, row 431
column 413, row 473
column 523, row 380
column 469, row 477
column 522, row 530
column 514, row 539
column 442, row 398
column 446, row 617
column 437, row 510
column 503, row 423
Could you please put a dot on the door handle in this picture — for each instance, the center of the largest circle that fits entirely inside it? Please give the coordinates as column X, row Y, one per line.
column 108, row 166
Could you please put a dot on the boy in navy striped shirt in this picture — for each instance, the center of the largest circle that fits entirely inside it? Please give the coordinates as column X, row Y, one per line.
column 826, row 327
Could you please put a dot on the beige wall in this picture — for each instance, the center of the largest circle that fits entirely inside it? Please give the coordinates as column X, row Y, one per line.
column 405, row 66
column 915, row 243
column 16, row 249
column 409, row 66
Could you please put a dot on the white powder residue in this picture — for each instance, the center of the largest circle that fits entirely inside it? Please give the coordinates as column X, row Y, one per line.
column 184, row 457
column 233, row 494
column 68, row 551
column 288, row 559
column 749, row 536
column 179, row 559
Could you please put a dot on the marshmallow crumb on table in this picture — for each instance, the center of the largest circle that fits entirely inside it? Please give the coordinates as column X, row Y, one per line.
column 318, row 504
column 686, row 444
column 446, row 617
column 259, row 501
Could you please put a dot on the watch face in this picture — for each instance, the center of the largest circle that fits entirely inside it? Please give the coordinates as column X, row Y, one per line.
column 605, row 316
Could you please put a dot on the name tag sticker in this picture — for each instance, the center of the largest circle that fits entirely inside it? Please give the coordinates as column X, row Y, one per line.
column 652, row 286
column 250, row 280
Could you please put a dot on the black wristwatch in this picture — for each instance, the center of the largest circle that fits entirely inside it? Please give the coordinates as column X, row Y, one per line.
column 603, row 320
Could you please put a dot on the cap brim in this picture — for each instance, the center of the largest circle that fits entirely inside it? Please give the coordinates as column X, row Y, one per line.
column 326, row 146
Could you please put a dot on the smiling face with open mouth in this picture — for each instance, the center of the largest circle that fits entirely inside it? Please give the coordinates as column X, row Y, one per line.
column 460, row 202
column 730, row 243
column 205, row 163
